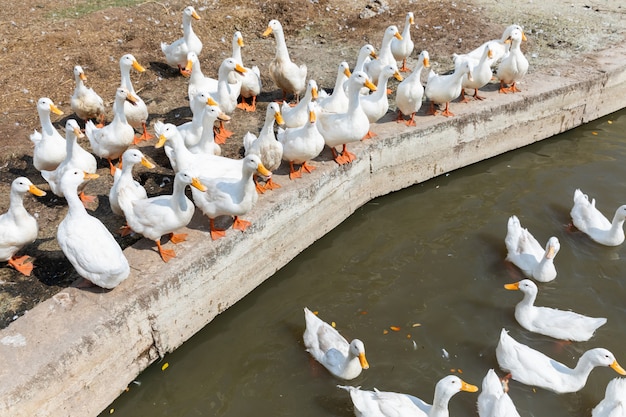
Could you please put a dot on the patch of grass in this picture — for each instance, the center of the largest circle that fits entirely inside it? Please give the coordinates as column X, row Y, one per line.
column 85, row 7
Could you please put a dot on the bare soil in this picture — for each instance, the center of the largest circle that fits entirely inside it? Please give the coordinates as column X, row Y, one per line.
column 42, row 41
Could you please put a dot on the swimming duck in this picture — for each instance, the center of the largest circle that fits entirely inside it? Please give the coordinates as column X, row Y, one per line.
column 589, row 220
column 560, row 324
column 74, row 159
column 123, row 180
column 18, row 227
column 163, row 214
column 301, row 144
column 137, row 113
column 614, row 402
column 298, row 115
column 332, row 350
column 445, row 88
column 532, row 367
column 49, row 144
column 499, row 46
column 266, row 146
column 85, row 102
column 527, row 254
column 287, row 75
column 113, row 139
column 402, row 49
column 337, row 101
column 410, row 91
column 207, row 144
column 224, row 196
column 176, row 52
column 514, row 64
column 250, row 80
column 86, row 242
column 481, row 74
column 385, row 56
column 376, row 105
column 494, row 400
column 351, row 126
column 392, row 404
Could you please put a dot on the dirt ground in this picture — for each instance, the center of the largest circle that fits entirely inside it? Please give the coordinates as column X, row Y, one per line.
column 41, row 42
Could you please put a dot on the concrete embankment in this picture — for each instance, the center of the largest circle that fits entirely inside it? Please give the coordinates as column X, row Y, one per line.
column 75, row 353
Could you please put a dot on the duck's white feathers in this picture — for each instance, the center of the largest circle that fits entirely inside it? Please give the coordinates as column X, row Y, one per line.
column 176, row 52
column 589, row 220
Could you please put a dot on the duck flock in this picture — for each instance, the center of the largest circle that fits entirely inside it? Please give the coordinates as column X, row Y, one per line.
column 223, row 186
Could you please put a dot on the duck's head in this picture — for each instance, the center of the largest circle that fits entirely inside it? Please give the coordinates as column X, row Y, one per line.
column 72, row 128
column 23, row 185
column 128, row 61
column 273, row 26
column 79, row 74
column 135, row 156
column 190, row 13
column 357, row 349
column 46, row 105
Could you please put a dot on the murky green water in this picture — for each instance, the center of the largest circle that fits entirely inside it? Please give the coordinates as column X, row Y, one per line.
column 431, row 255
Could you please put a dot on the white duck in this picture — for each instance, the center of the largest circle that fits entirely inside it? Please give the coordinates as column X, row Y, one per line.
column 225, row 196
column 560, row 324
column 265, row 145
column 191, row 131
column 85, row 102
column 376, row 105
column 137, row 113
column 182, row 159
column 113, row 139
column 301, row 144
column 207, row 145
column 86, row 242
column 481, row 74
column 402, row 49
column 163, row 214
column 198, row 82
column 298, row 115
column 532, row 367
column 250, row 80
column 589, row 220
column 392, row 404
column 385, row 56
column 287, row 75
column 176, row 52
column 410, row 91
column 226, row 94
column 614, row 402
column 123, row 180
column 514, row 65
column 18, row 227
column 337, row 101
column 366, row 54
column 49, row 144
column 348, row 127
column 74, row 159
column 527, row 254
column 332, row 350
column 499, row 46
column 494, row 400
column 445, row 88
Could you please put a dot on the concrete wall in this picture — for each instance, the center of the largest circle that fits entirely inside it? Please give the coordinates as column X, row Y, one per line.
column 75, row 353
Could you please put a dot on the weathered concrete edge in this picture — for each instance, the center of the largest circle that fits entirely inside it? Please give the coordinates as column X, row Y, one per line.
column 81, row 349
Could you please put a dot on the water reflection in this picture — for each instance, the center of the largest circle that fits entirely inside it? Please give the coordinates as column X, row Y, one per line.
column 429, row 260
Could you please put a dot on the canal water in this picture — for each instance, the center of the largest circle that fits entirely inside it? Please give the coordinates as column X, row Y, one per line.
column 417, row 275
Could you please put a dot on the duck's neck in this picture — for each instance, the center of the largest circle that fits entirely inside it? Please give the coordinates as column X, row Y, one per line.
column 196, row 76
column 16, row 205
column 207, row 136
column 354, row 102
column 385, row 48
column 528, row 300
column 281, row 46
column 360, row 62
column 582, row 370
column 339, row 82
column 237, row 53
column 187, row 30
column 381, row 88
column 182, row 153
column 268, row 126
column 75, row 206
column 126, row 82
column 46, row 124
column 179, row 200
column 440, row 404
column 70, row 140
column 406, row 32
column 118, row 112
column 617, row 226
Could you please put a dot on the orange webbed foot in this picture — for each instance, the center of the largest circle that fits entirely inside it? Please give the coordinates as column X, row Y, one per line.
column 178, row 238
column 166, row 254
column 86, row 199
column 241, row 224
column 306, row 167
column 271, row 185
column 125, row 230
column 23, row 264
